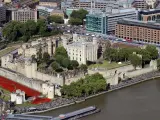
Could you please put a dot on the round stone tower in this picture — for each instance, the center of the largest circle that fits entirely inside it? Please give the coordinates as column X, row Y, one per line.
column 84, row 55
column 50, row 47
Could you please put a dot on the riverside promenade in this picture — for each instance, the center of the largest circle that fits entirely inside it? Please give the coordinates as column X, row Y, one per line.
column 63, row 102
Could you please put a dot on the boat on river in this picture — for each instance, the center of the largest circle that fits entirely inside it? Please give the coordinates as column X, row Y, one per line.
column 78, row 113
column 69, row 116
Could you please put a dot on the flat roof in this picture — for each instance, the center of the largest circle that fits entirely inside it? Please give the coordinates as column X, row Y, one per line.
column 152, row 25
column 147, row 12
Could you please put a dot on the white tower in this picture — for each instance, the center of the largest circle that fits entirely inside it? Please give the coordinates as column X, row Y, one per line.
column 19, row 99
column 51, row 91
column 13, row 97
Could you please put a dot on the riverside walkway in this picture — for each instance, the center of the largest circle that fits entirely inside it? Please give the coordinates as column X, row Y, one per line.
column 61, row 102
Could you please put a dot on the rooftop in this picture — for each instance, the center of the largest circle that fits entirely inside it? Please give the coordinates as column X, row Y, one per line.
column 153, row 25
column 151, row 11
column 114, row 11
column 49, row 0
column 79, row 44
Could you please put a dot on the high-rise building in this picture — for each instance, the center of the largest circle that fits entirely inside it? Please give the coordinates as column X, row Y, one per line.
column 144, row 4
column 2, row 14
column 43, row 11
column 50, row 3
column 140, row 4
column 92, row 3
column 23, row 15
column 105, row 22
column 138, row 30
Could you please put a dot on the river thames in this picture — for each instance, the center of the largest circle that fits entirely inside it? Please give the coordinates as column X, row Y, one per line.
column 138, row 102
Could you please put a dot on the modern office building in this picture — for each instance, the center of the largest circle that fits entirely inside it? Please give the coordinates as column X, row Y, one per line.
column 95, row 3
column 23, row 15
column 30, row 3
column 2, row 14
column 67, row 4
column 149, row 15
column 43, row 11
column 105, row 22
column 145, row 4
column 50, row 3
column 140, row 4
column 138, row 30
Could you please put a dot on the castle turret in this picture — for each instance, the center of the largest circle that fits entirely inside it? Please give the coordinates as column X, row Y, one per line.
column 95, row 41
column 19, row 99
column 84, row 58
column 64, row 41
column 34, row 69
column 50, row 47
column 44, row 88
column 75, row 37
column 28, row 68
column 51, row 93
column 95, row 50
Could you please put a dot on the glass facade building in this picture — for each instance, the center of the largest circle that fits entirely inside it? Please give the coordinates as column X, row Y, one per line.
column 105, row 22
column 96, row 23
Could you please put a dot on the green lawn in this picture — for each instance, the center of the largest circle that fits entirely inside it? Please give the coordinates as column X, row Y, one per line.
column 6, row 50
column 107, row 65
column 6, row 93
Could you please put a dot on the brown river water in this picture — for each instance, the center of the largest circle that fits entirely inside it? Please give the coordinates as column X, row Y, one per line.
column 138, row 102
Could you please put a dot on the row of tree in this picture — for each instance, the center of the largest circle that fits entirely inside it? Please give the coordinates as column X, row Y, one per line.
column 91, row 84
column 126, row 54
column 55, row 19
column 18, row 31
column 77, row 17
column 59, row 61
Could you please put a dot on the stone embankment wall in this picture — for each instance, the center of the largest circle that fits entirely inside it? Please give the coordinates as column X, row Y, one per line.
column 112, row 76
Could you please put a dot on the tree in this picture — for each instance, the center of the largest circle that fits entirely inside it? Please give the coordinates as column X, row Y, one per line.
column 123, row 54
column 81, row 14
column 61, row 51
column 42, row 30
column 59, row 59
column 65, row 62
column 84, row 68
column 55, row 65
column 11, row 31
column 30, row 27
column 135, row 60
column 91, row 84
column 74, row 64
column 145, row 56
column 46, row 57
column 75, row 21
column 110, row 54
column 55, row 18
column 153, row 51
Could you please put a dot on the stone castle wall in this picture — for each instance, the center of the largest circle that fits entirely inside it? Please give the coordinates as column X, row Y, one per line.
column 34, row 84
